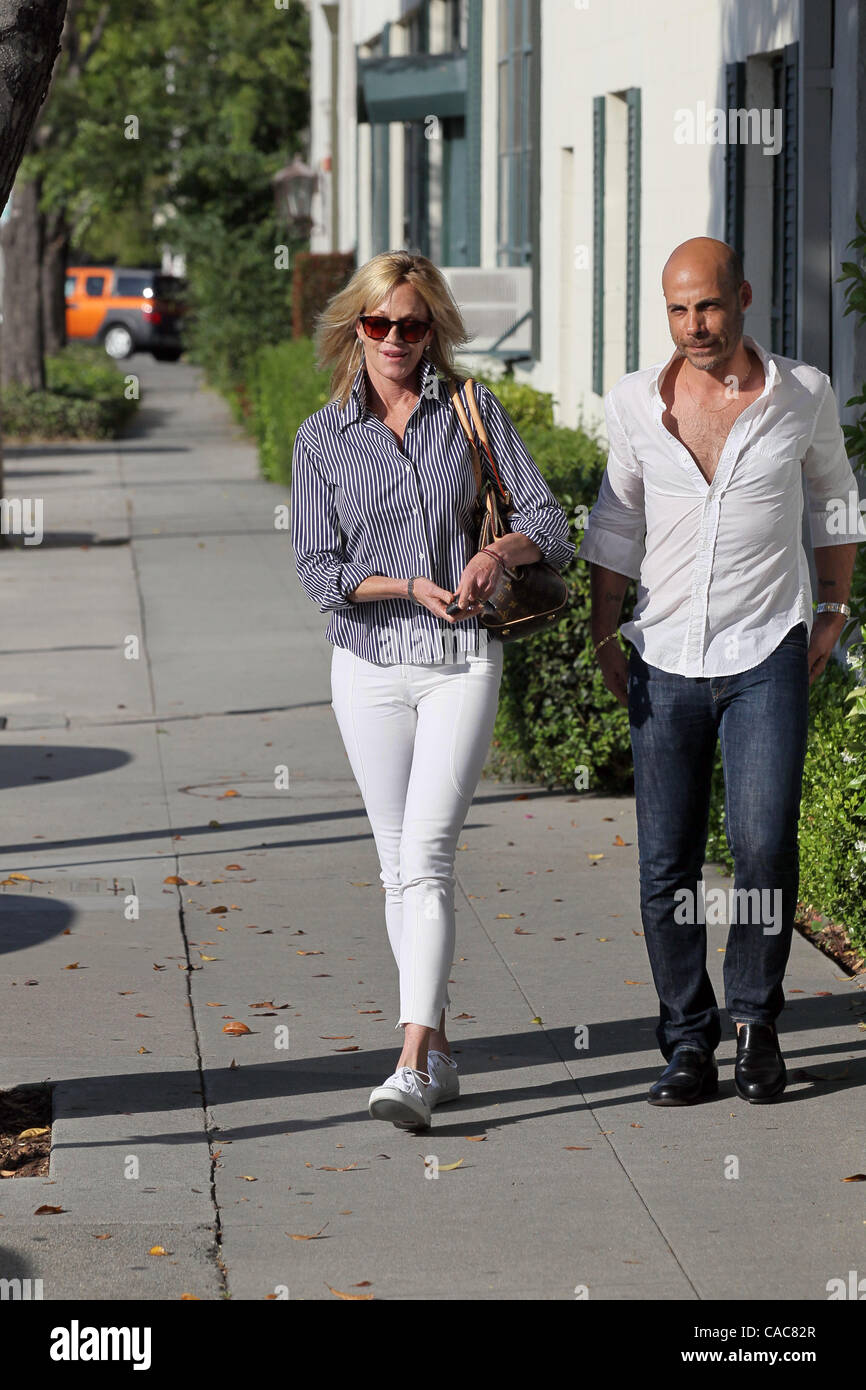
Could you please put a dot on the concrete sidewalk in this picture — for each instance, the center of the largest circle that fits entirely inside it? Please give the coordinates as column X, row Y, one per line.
column 122, row 775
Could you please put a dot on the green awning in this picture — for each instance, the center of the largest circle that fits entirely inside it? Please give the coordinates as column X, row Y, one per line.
column 411, row 86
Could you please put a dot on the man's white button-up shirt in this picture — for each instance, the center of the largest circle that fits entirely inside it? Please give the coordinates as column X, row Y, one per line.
column 721, row 570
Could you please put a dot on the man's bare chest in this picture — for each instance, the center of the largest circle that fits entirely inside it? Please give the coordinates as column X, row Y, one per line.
column 705, row 432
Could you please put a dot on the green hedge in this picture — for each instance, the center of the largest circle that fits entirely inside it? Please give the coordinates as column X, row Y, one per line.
column 832, row 828
column 84, row 399
column 283, row 387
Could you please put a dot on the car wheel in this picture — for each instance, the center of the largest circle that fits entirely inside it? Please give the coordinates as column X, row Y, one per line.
column 118, row 341
column 167, row 354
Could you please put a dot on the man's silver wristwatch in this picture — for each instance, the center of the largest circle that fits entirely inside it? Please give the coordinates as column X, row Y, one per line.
column 842, row 608
column 410, row 593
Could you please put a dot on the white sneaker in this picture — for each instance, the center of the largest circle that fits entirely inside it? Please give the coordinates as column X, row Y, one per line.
column 402, row 1099
column 444, row 1081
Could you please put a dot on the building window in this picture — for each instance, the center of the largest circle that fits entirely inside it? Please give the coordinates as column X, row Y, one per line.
column 457, row 25
column 616, row 236
column 418, row 29
column 416, row 186
column 518, row 96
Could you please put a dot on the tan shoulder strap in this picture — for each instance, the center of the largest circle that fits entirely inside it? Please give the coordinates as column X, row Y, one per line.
column 482, row 434
column 466, row 427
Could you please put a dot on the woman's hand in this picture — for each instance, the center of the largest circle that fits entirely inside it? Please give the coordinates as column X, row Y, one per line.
column 429, row 595
column 478, row 582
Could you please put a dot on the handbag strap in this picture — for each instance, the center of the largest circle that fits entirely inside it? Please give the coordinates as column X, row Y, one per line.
column 482, row 435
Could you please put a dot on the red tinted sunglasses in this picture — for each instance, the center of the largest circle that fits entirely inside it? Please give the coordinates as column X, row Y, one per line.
column 410, row 330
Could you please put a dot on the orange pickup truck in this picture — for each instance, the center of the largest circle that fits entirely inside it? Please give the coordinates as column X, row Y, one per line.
column 125, row 310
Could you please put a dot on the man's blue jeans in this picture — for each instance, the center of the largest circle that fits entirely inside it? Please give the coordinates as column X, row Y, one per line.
column 760, row 717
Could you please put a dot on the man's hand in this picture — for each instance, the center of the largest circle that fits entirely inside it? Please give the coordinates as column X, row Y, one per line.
column 825, row 634
column 614, row 668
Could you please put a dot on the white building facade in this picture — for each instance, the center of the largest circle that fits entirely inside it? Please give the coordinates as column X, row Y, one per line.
column 554, row 152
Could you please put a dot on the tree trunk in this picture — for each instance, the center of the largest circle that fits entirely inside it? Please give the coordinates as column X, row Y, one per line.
column 21, row 241
column 55, row 248
column 29, row 43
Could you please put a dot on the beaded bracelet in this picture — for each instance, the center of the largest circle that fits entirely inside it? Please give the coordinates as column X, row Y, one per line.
column 609, row 638
column 487, row 551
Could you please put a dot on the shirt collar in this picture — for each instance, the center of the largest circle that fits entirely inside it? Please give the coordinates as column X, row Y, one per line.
column 356, row 408
column 771, row 370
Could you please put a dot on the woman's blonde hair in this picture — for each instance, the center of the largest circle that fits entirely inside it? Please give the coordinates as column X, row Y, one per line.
column 337, row 343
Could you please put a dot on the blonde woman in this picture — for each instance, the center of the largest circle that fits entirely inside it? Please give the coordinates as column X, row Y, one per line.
column 382, row 527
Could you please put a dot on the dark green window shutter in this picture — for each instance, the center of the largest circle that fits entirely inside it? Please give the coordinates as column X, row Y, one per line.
column 790, row 155
column 380, row 173
column 598, row 245
column 632, row 266
column 473, row 132
column 735, row 160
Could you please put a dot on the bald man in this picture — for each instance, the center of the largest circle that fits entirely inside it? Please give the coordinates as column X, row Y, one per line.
column 701, row 503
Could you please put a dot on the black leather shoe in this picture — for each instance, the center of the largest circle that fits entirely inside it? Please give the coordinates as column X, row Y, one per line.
column 759, row 1072
column 690, row 1074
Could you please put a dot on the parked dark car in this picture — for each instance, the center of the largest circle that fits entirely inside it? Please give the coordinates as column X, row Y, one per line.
column 125, row 310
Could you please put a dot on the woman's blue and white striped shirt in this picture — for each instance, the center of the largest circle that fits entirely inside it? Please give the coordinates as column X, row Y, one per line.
column 362, row 505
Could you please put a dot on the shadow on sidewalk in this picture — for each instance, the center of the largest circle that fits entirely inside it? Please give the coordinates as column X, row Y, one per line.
column 498, row 1053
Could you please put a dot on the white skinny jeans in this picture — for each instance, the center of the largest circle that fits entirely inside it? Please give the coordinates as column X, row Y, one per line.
column 416, row 738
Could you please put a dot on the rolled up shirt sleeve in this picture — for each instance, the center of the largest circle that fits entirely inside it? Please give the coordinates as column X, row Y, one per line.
column 326, row 573
column 537, row 514
column 615, row 534
column 833, row 500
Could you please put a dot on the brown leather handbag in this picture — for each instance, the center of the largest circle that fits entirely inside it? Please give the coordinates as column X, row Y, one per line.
column 531, row 597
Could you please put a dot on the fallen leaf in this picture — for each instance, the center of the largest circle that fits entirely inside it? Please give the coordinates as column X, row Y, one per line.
column 157, row 1250
column 355, row 1048
column 24, row 878
column 174, row 878
column 34, row 1133
column 447, row 1167
column 212, row 910
column 309, row 953
column 352, row 1297
column 188, row 1296
column 73, row 966
column 244, row 1178
column 236, row 1028
column 317, row 1236
column 576, row 1148
column 234, row 866
column 464, row 1015
column 105, row 1236
column 145, row 1050
column 595, row 856
column 634, row 982
column 336, row 1037
column 856, row 1177
column 503, row 914
column 48, row 1211
column 230, row 792
column 204, row 957
column 475, row 1138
